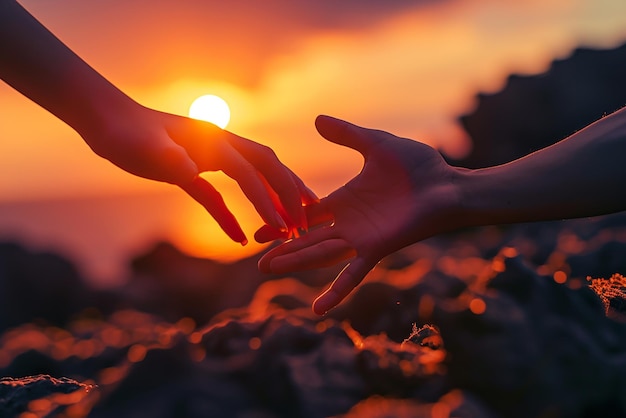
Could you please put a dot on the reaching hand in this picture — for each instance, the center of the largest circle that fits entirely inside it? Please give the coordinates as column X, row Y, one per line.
column 404, row 193
column 175, row 149
column 143, row 141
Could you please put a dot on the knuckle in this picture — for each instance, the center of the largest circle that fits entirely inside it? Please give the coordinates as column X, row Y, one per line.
column 267, row 153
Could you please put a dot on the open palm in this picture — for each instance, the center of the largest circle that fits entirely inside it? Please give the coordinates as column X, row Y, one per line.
column 402, row 195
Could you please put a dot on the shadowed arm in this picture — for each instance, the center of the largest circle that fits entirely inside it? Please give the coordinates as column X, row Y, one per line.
column 406, row 192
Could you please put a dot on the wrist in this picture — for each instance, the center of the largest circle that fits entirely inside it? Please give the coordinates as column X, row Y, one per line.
column 504, row 194
column 475, row 189
column 100, row 109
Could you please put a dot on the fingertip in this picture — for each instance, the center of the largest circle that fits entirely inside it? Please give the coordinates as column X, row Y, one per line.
column 234, row 231
column 310, row 198
column 307, row 196
column 264, row 265
column 323, row 119
column 317, row 311
column 268, row 233
column 342, row 133
column 205, row 194
column 323, row 303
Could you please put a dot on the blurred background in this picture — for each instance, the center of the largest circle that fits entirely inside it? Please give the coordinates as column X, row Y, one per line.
column 408, row 67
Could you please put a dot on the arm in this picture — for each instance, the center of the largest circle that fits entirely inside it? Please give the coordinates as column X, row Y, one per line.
column 406, row 192
column 142, row 141
column 582, row 175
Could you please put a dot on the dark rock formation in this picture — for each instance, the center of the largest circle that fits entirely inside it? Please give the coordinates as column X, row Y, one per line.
column 532, row 112
column 494, row 337
column 38, row 285
column 175, row 285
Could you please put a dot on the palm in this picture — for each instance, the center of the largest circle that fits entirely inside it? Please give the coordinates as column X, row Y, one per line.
column 396, row 200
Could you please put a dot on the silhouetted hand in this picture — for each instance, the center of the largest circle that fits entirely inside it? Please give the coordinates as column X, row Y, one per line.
column 404, row 193
column 143, row 141
column 175, row 149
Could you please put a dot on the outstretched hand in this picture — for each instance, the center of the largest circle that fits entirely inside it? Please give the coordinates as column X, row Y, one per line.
column 143, row 141
column 404, row 193
column 175, row 149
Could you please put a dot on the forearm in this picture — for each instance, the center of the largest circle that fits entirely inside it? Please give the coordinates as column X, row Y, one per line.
column 583, row 175
column 40, row 66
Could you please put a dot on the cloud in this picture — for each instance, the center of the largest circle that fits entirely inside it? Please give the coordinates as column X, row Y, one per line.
column 147, row 42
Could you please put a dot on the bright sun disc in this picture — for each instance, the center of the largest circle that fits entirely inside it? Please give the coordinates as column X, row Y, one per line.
column 212, row 109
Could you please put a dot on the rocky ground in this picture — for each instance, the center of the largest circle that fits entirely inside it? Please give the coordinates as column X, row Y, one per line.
column 511, row 321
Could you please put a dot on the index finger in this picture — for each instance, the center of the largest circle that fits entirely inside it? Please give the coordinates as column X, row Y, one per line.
column 252, row 184
column 278, row 176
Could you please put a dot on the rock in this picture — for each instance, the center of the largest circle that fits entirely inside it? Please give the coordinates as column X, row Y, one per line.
column 41, row 394
column 39, row 285
column 532, row 112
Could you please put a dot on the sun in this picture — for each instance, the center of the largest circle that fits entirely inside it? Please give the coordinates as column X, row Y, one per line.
column 212, row 109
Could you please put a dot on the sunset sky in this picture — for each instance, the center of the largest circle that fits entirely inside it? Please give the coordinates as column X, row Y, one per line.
column 408, row 67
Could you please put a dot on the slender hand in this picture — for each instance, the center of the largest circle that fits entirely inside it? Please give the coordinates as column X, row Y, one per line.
column 143, row 141
column 157, row 145
column 404, row 193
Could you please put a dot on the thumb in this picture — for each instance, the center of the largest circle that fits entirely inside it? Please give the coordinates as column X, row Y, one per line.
column 344, row 133
column 342, row 286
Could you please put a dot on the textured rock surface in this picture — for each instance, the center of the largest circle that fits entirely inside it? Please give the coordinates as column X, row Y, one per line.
column 492, row 323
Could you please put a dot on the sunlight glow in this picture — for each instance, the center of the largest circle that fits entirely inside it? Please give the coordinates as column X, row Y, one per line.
column 212, row 109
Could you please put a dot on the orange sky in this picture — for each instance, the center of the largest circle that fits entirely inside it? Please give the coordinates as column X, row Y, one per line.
column 409, row 67
column 280, row 65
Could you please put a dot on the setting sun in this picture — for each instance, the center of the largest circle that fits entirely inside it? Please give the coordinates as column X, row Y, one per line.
column 212, row 109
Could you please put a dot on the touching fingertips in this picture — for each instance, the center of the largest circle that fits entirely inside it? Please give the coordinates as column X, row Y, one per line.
column 268, row 233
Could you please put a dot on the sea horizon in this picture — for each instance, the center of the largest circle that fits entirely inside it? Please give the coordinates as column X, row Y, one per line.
column 101, row 234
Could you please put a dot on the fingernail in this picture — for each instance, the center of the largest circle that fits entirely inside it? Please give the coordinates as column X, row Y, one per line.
column 244, row 242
